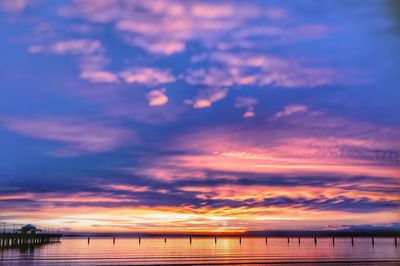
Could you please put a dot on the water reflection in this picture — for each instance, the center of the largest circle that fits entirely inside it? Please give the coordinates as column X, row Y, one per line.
column 26, row 252
column 102, row 251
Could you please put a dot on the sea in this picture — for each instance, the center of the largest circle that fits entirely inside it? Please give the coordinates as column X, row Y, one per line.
column 206, row 251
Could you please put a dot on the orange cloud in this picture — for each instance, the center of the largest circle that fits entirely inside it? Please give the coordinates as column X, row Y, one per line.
column 207, row 97
column 157, row 97
column 188, row 219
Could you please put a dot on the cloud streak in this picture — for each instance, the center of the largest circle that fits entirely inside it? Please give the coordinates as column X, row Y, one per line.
column 79, row 136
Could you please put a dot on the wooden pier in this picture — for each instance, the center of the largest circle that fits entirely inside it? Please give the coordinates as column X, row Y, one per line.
column 9, row 240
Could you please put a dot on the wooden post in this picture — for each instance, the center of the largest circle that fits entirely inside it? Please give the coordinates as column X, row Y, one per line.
column 215, row 240
column 266, row 240
column 88, row 240
column 165, row 240
column 315, row 240
column 299, row 240
column 140, row 240
column 190, row 239
column 288, row 240
column 333, row 241
column 114, row 240
column 352, row 241
column 373, row 241
column 395, row 241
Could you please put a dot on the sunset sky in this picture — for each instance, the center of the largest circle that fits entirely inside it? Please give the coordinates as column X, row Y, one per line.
column 199, row 116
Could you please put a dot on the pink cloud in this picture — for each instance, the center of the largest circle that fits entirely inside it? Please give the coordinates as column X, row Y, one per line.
column 168, row 25
column 165, row 47
column 212, row 77
column 323, row 145
column 207, row 97
column 13, row 5
column 248, row 103
column 147, row 75
column 212, row 11
column 261, row 192
column 79, row 136
column 249, row 113
column 157, row 97
column 168, row 35
column 129, row 188
column 261, row 70
column 292, row 109
column 91, row 58
column 99, row 76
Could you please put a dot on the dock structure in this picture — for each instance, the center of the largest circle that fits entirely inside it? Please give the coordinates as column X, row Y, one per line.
column 27, row 235
column 17, row 239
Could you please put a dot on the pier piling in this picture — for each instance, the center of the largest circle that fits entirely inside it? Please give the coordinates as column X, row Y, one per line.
column 17, row 239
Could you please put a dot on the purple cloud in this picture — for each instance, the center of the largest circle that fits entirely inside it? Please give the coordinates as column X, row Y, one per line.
column 78, row 136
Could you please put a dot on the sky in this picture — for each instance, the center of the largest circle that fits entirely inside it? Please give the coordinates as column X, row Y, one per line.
column 199, row 116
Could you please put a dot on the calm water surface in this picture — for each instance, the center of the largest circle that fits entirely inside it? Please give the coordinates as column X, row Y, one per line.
column 102, row 251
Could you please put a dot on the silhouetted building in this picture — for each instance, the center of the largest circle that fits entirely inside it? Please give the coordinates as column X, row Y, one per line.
column 29, row 229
